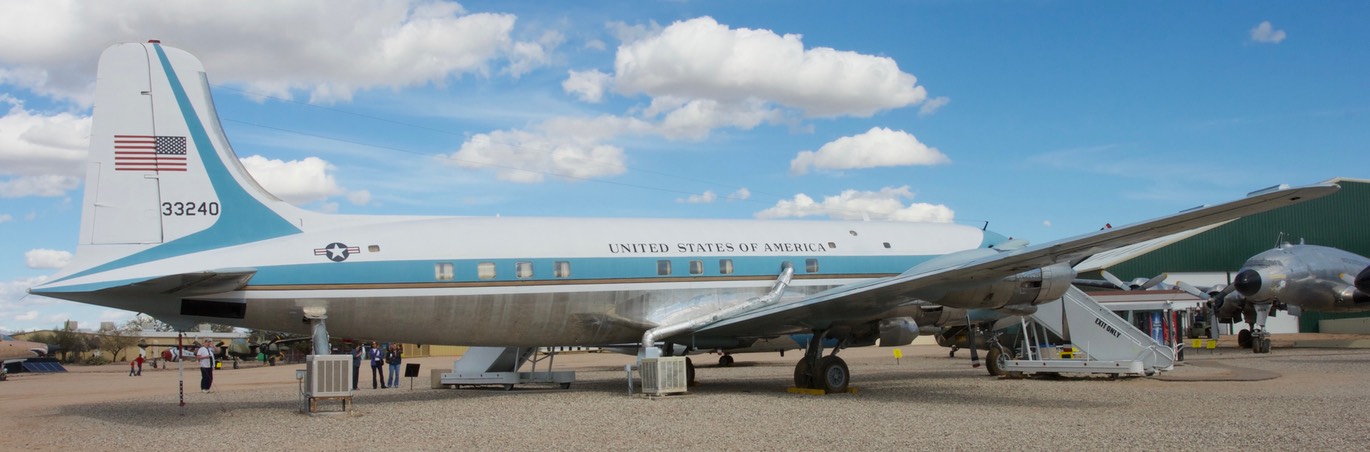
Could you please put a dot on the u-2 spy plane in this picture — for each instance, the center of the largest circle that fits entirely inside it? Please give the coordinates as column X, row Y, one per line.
column 172, row 225
column 1299, row 277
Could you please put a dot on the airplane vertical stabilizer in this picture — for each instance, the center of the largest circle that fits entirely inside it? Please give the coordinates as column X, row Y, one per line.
column 161, row 178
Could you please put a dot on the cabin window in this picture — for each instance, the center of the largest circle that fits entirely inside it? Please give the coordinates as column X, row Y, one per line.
column 663, row 268
column 485, row 270
column 523, row 269
column 374, row 248
column 725, row 266
column 696, row 267
column 561, row 269
column 811, row 265
column 442, row 271
column 832, row 245
column 887, row 245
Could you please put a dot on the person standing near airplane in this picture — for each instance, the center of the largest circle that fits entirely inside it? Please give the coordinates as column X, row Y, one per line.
column 392, row 357
column 358, row 355
column 377, row 360
column 206, row 357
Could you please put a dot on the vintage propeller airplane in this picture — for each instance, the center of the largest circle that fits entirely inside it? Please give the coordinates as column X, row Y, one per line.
column 174, row 226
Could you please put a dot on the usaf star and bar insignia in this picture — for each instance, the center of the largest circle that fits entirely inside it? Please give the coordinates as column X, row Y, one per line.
column 337, row 251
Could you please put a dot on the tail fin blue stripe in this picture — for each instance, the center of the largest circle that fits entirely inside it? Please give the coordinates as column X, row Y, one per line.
column 244, row 219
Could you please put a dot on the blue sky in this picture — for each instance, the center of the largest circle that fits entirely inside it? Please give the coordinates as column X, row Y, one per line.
column 1046, row 119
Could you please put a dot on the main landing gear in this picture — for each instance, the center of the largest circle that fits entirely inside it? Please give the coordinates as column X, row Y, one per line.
column 1257, row 338
column 827, row 373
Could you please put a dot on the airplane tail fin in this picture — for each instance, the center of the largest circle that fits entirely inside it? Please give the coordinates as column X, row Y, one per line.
column 161, row 177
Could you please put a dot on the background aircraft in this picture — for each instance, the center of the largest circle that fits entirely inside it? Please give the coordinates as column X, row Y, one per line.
column 16, row 351
column 12, row 349
column 173, row 226
column 1296, row 277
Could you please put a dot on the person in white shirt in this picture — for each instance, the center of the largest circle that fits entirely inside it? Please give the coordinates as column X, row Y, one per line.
column 206, row 357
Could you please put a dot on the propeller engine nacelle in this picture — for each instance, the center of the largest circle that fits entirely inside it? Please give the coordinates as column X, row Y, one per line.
column 1257, row 285
column 1032, row 287
column 1362, row 281
column 1226, row 303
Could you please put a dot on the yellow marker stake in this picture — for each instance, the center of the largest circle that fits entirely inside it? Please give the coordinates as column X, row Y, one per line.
column 898, row 354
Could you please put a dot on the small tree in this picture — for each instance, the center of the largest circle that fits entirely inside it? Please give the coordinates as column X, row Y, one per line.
column 116, row 341
column 70, row 343
column 142, row 322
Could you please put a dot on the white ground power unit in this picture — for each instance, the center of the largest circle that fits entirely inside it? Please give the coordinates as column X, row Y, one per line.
column 328, row 375
column 665, row 375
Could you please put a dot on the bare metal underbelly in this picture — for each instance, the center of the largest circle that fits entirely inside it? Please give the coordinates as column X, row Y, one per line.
column 530, row 318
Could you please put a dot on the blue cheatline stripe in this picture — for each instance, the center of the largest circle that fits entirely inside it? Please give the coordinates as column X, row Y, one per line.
column 244, row 218
column 465, row 270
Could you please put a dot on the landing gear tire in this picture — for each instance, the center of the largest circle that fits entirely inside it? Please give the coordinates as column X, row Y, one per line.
column 1260, row 345
column 995, row 360
column 802, row 379
column 725, row 360
column 952, row 353
column 833, row 375
column 1244, row 338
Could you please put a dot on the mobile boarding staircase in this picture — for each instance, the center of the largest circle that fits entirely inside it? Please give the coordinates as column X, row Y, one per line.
column 1111, row 345
column 499, row 366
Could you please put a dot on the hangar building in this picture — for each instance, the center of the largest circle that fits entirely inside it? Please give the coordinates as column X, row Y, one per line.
column 1213, row 256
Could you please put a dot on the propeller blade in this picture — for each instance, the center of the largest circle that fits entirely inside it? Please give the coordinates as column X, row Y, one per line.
column 1155, row 280
column 1189, row 289
column 1115, row 280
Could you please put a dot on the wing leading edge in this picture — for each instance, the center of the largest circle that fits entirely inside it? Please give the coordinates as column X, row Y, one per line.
column 867, row 301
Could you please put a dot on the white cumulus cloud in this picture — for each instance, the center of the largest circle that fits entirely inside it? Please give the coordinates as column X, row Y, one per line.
column 328, row 48
column 45, row 258
column 886, row 204
column 40, row 154
column 571, row 148
column 700, row 76
column 586, row 85
column 703, row 198
column 1266, row 33
column 295, row 181
column 702, row 59
column 878, row 147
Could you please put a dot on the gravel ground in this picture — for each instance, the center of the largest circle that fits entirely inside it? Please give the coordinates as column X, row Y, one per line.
column 1315, row 401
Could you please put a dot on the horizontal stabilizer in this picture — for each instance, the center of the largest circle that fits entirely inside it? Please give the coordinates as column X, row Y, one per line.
column 197, row 283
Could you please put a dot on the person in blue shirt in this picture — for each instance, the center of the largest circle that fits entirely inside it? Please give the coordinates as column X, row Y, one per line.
column 392, row 357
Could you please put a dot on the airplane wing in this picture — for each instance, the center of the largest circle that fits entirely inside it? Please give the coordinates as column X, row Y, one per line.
column 1119, row 255
column 865, row 301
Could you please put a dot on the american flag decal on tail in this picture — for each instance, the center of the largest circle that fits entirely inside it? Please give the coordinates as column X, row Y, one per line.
column 149, row 153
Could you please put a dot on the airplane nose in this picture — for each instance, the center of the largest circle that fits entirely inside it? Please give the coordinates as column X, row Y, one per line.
column 1362, row 282
column 1248, row 282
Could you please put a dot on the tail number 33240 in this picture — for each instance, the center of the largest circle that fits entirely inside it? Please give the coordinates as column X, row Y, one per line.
column 189, row 209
